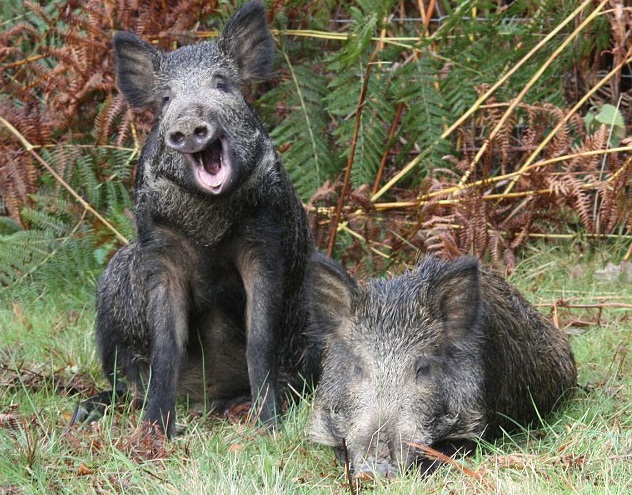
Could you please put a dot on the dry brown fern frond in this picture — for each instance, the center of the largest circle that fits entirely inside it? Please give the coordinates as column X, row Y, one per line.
column 18, row 179
column 164, row 22
column 541, row 118
column 441, row 239
column 114, row 117
column 501, row 147
column 613, row 199
column 587, row 163
column 571, row 190
column 472, row 215
column 582, row 183
column 500, row 153
column 18, row 172
column 562, row 140
column 520, row 224
column 545, row 197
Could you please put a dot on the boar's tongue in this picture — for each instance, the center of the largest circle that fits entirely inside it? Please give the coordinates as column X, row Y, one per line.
column 212, row 166
column 211, row 157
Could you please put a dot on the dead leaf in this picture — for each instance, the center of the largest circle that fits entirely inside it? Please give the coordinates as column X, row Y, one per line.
column 9, row 421
column 84, row 470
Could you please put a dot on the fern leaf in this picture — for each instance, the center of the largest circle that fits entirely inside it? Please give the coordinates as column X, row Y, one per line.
column 302, row 135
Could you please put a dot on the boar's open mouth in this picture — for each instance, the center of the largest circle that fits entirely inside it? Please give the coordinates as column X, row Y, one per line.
column 212, row 166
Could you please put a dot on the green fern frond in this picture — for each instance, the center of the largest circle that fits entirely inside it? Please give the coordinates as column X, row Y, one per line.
column 61, row 243
column 42, row 220
column 426, row 109
column 21, row 251
column 377, row 114
column 42, row 258
column 302, row 133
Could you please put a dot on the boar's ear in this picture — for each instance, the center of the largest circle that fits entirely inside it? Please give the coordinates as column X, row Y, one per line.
column 137, row 64
column 456, row 294
column 247, row 41
column 333, row 295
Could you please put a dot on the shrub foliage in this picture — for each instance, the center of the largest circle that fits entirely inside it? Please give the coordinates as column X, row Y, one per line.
column 427, row 126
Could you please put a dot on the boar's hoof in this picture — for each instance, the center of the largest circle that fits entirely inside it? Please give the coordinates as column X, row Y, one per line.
column 93, row 408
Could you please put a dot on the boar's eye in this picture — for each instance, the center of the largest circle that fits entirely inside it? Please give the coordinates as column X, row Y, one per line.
column 358, row 372
column 166, row 98
column 221, row 84
column 423, row 367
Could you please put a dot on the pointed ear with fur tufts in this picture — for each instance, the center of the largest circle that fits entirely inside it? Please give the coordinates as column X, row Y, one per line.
column 455, row 293
column 247, row 41
column 333, row 297
column 137, row 64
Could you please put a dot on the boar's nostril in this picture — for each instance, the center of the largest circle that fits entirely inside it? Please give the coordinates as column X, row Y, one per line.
column 176, row 138
column 201, row 132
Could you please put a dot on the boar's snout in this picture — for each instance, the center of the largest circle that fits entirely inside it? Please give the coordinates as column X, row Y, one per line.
column 380, row 469
column 382, row 458
column 189, row 135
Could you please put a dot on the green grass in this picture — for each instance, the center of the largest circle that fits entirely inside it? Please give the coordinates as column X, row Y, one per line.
column 48, row 364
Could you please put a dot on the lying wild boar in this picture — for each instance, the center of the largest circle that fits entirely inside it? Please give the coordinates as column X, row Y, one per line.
column 436, row 357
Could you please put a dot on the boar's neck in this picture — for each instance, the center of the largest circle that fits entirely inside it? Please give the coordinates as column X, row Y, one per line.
column 197, row 218
column 207, row 219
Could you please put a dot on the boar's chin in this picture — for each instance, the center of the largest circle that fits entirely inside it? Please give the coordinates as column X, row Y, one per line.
column 323, row 429
column 212, row 167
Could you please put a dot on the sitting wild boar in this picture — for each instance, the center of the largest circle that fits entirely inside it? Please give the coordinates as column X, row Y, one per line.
column 210, row 301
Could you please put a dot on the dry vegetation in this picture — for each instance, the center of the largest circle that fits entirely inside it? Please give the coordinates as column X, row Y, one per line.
column 407, row 127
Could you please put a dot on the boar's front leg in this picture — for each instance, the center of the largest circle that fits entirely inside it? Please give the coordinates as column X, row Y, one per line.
column 262, row 277
column 167, row 315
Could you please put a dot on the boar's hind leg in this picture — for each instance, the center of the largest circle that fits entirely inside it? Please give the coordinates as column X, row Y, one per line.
column 120, row 333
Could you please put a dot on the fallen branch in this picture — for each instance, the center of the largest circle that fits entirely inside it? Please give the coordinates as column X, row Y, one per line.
column 565, row 304
column 436, row 455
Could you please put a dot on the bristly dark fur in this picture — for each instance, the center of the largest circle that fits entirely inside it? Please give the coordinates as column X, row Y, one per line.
column 211, row 298
column 435, row 357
